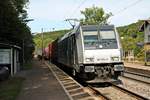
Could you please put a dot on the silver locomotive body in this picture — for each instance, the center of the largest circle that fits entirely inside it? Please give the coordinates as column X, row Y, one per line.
column 92, row 52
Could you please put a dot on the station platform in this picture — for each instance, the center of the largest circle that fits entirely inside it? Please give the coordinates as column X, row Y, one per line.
column 137, row 66
column 41, row 84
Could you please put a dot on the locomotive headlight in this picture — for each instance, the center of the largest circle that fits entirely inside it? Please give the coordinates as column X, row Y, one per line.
column 89, row 69
column 115, row 58
column 119, row 67
column 89, row 59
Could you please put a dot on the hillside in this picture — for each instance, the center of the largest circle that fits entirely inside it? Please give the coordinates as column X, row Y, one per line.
column 130, row 37
column 48, row 37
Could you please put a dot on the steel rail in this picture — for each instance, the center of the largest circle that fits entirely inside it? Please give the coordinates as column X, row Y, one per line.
column 139, row 74
column 98, row 93
column 136, row 79
column 145, row 82
column 137, row 70
column 139, row 97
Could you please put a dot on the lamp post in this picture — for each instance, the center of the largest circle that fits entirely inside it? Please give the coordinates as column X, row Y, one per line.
column 23, row 50
column 42, row 43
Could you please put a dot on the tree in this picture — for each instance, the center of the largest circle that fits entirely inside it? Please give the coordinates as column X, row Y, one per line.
column 129, row 41
column 13, row 24
column 95, row 15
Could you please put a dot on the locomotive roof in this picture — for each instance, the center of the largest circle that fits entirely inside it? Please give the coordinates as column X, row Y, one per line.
column 69, row 33
column 88, row 28
column 96, row 27
column 65, row 36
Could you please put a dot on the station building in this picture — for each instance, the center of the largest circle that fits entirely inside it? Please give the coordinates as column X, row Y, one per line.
column 146, row 29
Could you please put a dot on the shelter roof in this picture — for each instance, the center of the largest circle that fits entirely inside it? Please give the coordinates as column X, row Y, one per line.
column 9, row 45
column 146, row 22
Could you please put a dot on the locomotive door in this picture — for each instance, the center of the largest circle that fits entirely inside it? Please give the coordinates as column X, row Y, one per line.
column 73, row 49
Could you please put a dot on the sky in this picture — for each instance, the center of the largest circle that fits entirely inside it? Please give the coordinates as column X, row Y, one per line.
column 51, row 14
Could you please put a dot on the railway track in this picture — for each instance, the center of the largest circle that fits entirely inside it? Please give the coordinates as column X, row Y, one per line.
column 137, row 76
column 137, row 70
column 138, row 97
column 98, row 93
column 76, row 91
column 73, row 89
column 115, row 92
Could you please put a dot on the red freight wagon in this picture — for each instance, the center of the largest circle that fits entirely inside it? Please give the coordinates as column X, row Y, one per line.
column 50, row 50
column 54, row 52
column 46, row 53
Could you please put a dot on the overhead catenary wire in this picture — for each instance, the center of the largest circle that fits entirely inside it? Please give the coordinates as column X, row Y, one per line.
column 127, row 7
column 74, row 10
column 118, row 12
column 73, row 13
column 78, row 7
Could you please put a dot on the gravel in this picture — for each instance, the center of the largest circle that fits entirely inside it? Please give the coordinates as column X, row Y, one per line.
column 115, row 94
column 136, row 86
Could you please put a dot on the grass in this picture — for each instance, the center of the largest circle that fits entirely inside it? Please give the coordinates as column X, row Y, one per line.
column 27, row 65
column 10, row 88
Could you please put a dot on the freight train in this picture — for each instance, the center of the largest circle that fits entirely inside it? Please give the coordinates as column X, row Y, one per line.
column 91, row 52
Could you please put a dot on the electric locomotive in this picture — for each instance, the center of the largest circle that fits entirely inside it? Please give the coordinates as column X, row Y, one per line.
column 92, row 52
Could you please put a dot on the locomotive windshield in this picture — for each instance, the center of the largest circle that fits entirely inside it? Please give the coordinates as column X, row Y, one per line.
column 108, row 39
column 107, row 34
column 103, row 39
column 90, row 39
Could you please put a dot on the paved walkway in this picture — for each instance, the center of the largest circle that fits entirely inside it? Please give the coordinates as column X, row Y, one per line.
column 40, row 84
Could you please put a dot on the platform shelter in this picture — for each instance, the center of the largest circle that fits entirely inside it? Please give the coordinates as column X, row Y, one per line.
column 9, row 56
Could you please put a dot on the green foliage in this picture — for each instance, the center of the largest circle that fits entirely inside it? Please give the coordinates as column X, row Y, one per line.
column 95, row 15
column 128, row 41
column 28, row 65
column 10, row 89
column 13, row 25
column 48, row 37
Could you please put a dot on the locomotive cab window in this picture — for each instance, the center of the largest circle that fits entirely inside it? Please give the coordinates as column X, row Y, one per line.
column 107, row 34
column 90, row 39
column 108, row 39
